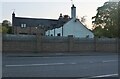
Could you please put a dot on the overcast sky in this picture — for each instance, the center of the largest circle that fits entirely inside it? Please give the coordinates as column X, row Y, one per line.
column 49, row 8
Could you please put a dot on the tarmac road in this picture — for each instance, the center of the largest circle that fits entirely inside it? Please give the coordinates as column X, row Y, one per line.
column 61, row 66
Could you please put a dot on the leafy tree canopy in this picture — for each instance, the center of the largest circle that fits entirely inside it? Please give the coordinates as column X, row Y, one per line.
column 105, row 23
column 5, row 27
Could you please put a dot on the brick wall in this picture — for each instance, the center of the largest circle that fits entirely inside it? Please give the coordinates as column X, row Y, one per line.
column 28, row 30
column 57, row 44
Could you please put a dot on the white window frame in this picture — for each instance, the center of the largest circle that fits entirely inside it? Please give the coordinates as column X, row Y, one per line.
column 23, row 25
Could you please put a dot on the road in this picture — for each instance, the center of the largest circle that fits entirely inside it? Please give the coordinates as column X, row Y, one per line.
column 60, row 66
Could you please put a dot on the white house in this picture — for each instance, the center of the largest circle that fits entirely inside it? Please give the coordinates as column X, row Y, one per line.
column 73, row 27
column 77, row 29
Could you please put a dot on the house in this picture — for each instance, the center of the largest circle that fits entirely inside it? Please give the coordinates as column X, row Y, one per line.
column 72, row 27
column 33, row 26
column 63, row 26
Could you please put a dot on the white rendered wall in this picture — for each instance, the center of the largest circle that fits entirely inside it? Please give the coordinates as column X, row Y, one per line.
column 57, row 30
column 77, row 29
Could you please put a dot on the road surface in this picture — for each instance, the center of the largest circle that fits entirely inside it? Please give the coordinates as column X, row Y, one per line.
column 61, row 66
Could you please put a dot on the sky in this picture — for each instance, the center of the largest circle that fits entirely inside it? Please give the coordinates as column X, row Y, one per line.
column 50, row 9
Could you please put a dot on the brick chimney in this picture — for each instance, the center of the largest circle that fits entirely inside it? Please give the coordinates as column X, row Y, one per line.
column 73, row 11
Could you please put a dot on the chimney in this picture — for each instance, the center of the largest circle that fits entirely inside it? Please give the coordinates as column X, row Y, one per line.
column 73, row 11
column 13, row 16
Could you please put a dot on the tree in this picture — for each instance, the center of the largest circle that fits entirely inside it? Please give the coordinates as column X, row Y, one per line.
column 0, row 28
column 119, row 19
column 6, row 27
column 83, row 19
column 6, row 23
column 98, row 32
column 107, row 20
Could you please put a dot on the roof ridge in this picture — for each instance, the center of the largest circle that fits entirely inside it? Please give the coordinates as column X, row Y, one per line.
column 35, row 18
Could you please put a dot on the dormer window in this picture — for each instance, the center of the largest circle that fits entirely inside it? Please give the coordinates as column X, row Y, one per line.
column 23, row 25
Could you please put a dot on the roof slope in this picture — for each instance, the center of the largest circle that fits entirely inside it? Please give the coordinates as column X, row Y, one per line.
column 33, row 22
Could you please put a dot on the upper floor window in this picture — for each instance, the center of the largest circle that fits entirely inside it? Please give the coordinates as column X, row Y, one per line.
column 23, row 25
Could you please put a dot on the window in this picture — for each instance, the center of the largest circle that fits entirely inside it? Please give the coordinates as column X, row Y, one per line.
column 36, row 27
column 23, row 25
column 58, row 34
